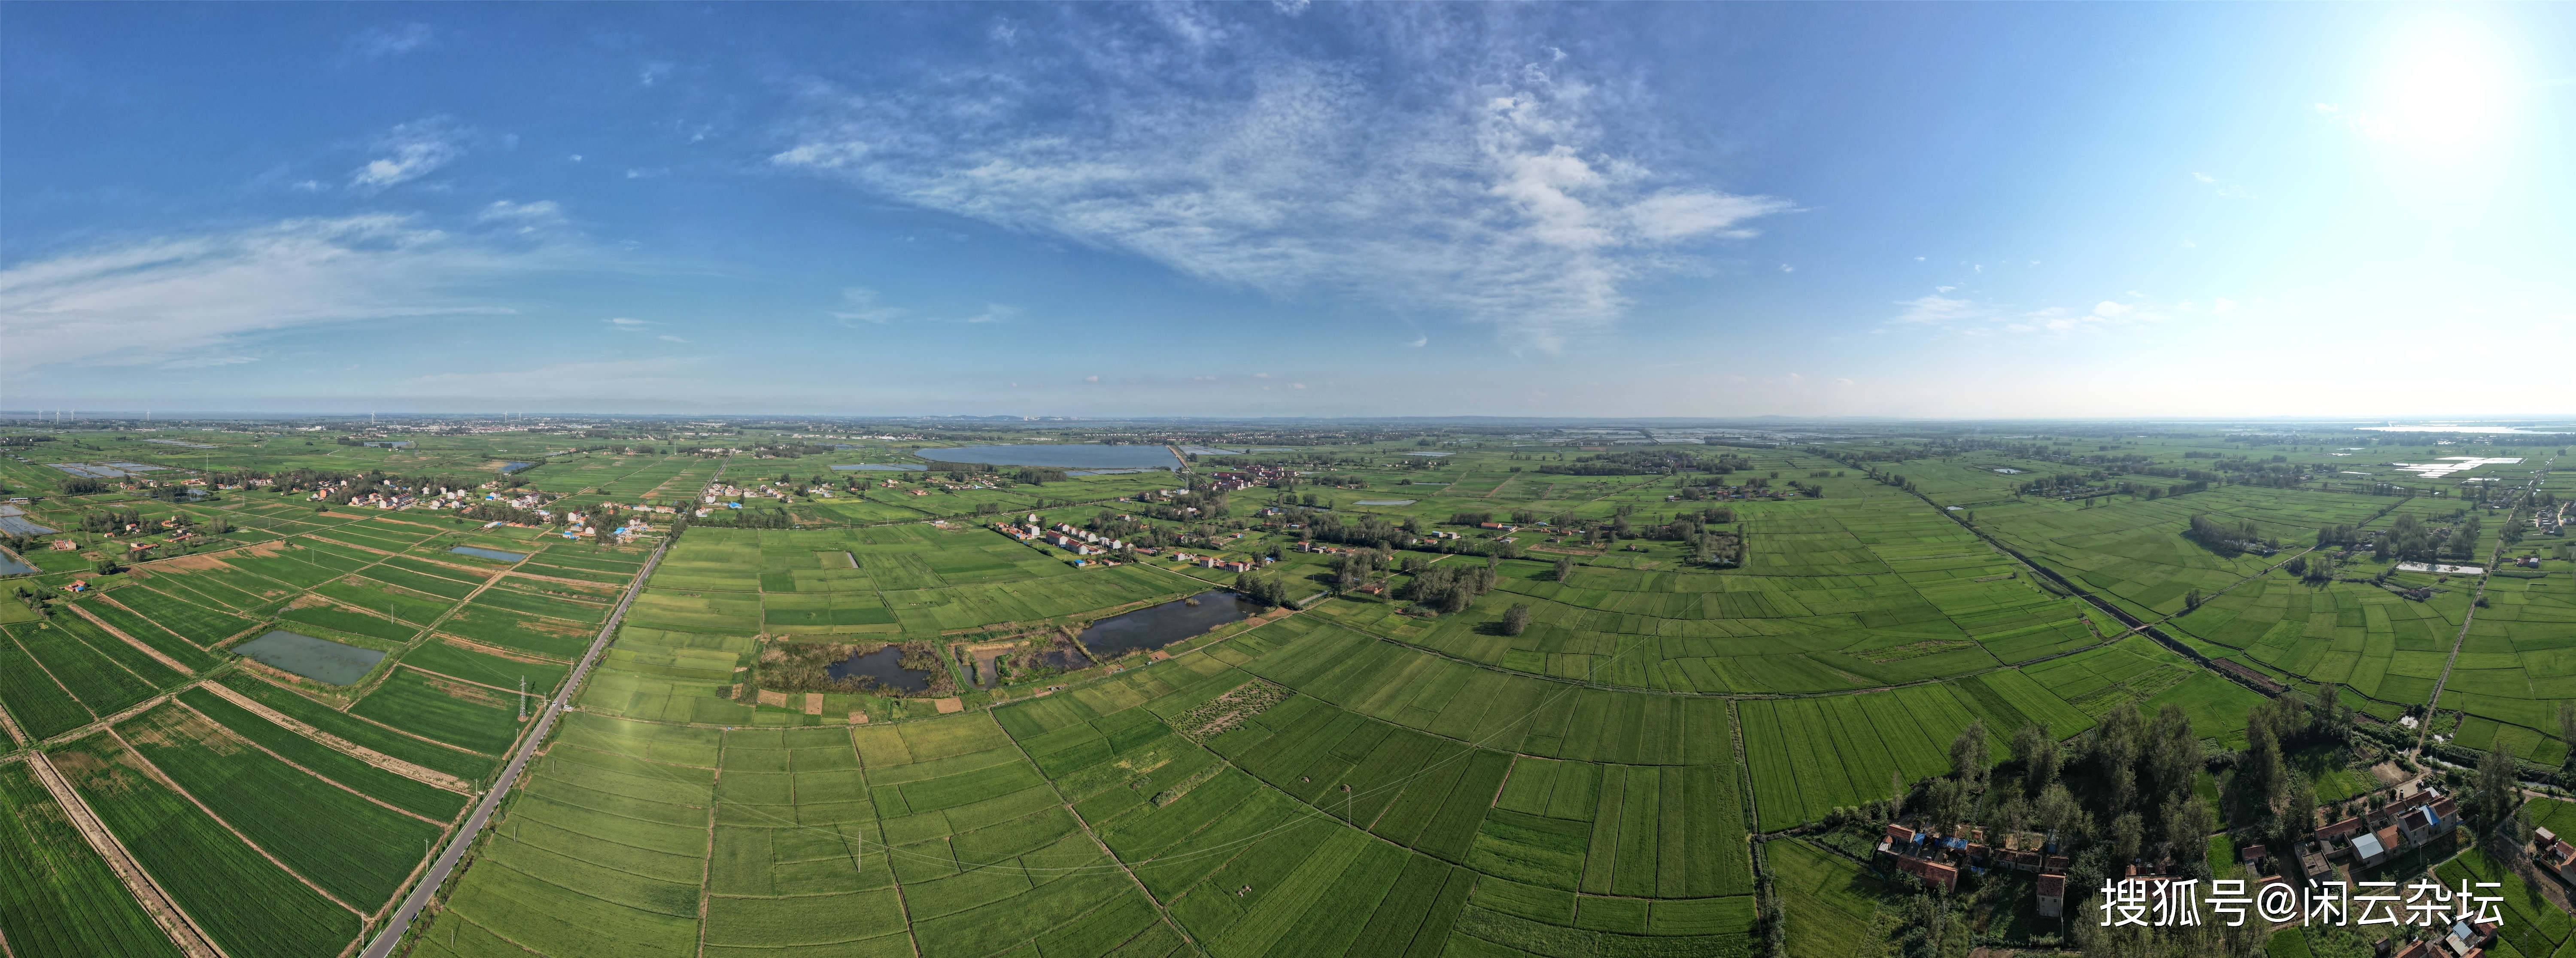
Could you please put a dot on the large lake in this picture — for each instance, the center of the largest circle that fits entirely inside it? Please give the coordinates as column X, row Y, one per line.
column 321, row 660
column 1063, row 455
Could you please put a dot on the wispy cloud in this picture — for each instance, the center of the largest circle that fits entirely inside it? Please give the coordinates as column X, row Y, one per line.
column 2233, row 191
column 860, row 304
column 1510, row 188
column 410, row 151
column 668, row 338
column 1963, row 315
column 173, row 299
column 628, row 324
column 377, row 43
column 523, row 217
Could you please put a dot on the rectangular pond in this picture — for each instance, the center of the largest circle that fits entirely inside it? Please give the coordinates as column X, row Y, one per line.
column 9, row 566
column 321, row 660
column 1154, row 627
column 484, row 553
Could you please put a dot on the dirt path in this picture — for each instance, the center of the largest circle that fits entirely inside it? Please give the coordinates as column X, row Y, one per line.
column 2457, row 643
column 341, row 745
column 231, row 735
column 175, row 923
column 130, row 640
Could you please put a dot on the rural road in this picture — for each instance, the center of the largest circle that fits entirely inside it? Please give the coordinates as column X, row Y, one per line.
column 464, row 838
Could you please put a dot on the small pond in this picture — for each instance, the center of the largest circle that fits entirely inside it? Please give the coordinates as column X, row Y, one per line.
column 9, row 566
column 1430, row 453
column 1154, row 627
column 480, row 552
column 879, row 467
column 321, row 660
column 884, row 665
column 1062, row 455
column 1385, row 502
column 511, row 467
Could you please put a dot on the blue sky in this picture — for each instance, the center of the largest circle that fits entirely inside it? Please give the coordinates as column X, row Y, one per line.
column 1258, row 209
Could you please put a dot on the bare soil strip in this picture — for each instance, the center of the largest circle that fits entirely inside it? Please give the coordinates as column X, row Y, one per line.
column 341, row 745
column 235, row 737
column 130, row 640
column 173, row 922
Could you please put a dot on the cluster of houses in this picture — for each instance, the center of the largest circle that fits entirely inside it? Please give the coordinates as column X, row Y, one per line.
column 397, row 497
column 578, row 525
column 1230, row 480
column 1080, row 542
column 1936, row 859
column 721, row 490
column 2416, row 817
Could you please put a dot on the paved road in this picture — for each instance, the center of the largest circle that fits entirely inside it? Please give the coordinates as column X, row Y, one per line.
column 429, row 883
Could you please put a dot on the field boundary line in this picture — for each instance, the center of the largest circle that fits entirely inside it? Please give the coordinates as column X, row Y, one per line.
column 335, row 743
column 50, row 677
column 147, row 891
column 902, row 904
column 130, row 640
column 1160, row 910
column 707, row 862
column 2461, row 640
column 299, row 766
column 290, row 690
column 463, row 837
column 173, row 784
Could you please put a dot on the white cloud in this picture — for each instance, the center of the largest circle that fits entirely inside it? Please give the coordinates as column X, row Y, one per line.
column 412, row 150
column 150, row 301
column 1786, row 268
column 376, row 43
column 864, row 307
column 523, row 217
column 2204, row 177
column 1938, row 310
column 994, row 313
column 1091, row 379
column 668, row 338
column 653, row 73
column 1498, row 191
column 626, row 324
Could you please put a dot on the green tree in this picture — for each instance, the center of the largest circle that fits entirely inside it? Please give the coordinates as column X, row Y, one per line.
column 1516, row 619
column 1968, row 756
column 2494, row 805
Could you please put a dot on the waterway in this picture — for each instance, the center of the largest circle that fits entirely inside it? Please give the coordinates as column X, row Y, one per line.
column 321, row 660
column 886, row 667
column 1154, row 627
column 1063, row 455
column 484, row 553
